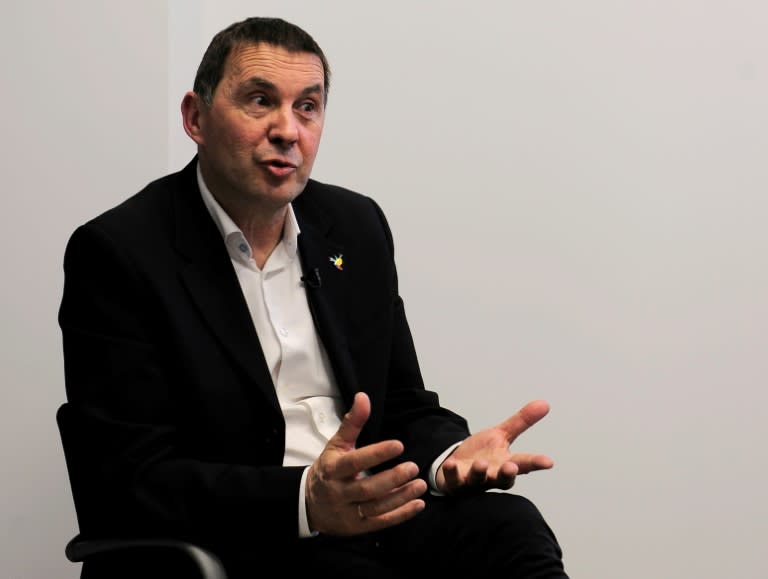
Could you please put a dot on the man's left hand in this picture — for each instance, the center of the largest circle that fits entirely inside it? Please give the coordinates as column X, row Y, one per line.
column 483, row 461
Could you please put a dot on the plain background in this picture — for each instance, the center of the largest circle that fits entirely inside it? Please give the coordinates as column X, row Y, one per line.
column 578, row 196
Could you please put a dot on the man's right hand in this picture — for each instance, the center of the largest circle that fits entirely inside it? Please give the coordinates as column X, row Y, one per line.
column 341, row 500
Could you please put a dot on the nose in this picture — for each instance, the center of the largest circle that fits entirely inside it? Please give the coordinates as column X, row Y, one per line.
column 284, row 128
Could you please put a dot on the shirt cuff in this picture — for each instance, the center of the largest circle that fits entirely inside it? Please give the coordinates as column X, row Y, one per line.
column 304, row 531
column 436, row 465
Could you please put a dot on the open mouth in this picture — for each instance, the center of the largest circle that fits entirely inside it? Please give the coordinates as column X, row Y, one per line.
column 279, row 167
column 280, row 164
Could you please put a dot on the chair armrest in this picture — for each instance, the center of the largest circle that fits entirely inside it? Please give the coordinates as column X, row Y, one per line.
column 79, row 549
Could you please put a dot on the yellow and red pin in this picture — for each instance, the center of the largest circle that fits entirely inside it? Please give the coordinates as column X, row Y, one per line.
column 337, row 261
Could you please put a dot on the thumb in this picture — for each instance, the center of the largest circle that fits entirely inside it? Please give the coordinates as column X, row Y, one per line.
column 352, row 422
column 524, row 418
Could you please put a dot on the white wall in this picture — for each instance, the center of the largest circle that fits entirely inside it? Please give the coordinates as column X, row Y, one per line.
column 599, row 241
column 84, row 124
column 577, row 191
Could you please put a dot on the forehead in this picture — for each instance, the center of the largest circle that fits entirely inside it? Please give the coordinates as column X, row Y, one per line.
column 274, row 64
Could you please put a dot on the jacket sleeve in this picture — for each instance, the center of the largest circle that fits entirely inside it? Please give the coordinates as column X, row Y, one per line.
column 137, row 470
column 413, row 413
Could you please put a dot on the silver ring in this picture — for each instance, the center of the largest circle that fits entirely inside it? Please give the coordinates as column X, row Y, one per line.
column 360, row 511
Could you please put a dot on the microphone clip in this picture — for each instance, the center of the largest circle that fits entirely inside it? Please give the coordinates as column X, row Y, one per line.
column 312, row 279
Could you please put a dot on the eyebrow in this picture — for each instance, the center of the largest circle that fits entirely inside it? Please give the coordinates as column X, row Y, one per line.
column 259, row 82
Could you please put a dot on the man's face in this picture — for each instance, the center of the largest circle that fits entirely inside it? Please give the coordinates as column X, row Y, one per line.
column 259, row 138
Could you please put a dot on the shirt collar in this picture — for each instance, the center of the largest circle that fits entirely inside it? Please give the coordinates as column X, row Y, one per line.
column 237, row 245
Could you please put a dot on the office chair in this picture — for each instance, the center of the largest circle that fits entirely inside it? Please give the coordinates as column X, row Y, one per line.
column 119, row 553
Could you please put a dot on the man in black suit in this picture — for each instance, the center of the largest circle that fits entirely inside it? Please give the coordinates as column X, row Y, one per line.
column 239, row 366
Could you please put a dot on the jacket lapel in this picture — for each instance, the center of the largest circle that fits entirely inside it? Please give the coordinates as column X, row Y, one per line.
column 329, row 299
column 212, row 284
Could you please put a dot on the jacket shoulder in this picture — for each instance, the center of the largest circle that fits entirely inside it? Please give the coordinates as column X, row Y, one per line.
column 152, row 201
column 338, row 203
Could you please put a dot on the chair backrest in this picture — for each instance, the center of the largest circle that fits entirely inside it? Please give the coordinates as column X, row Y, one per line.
column 62, row 416
column 79, row 460
column 116, row 555
column 63, row 421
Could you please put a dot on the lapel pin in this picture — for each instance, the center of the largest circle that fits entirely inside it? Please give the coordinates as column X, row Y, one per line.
column 337, row 261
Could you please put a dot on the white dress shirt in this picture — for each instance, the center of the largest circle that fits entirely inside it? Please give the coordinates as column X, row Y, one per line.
column 297, row 361
column 301, row 373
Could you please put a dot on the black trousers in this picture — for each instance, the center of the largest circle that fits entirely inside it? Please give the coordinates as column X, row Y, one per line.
column 492, row 532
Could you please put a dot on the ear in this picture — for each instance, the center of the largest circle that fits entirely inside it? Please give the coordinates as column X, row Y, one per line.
column 192, row 109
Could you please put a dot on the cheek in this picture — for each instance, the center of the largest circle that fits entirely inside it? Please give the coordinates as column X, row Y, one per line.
column 235, row 145
column 310, row 144
column 239, row 135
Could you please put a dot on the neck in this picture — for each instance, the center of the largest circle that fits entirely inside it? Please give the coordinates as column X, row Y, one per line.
column 260, row 219
column 261, row 225
column 262, row 233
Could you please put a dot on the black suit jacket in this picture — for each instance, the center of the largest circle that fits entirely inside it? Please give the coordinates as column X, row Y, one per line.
column 176, row 421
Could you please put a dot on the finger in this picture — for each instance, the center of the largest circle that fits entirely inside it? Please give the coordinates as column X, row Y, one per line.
column 478, row 474
column 352, row 423
column 451, row 477
column 367, row 457
column 531, row 462
column 381, row 484
column 392, row 517
column 524, row 418
column 505, row 479
column 393, row 500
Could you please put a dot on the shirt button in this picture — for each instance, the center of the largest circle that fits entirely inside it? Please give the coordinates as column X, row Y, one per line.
column 321, row 417
column 283, row 332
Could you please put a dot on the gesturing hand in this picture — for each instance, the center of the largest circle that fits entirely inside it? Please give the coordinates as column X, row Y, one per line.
column 341, row 500
column 483, row 461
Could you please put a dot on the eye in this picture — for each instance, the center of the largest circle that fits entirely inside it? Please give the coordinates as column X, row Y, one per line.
column 309, row 107
column 257, row 103
column 258, row 100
